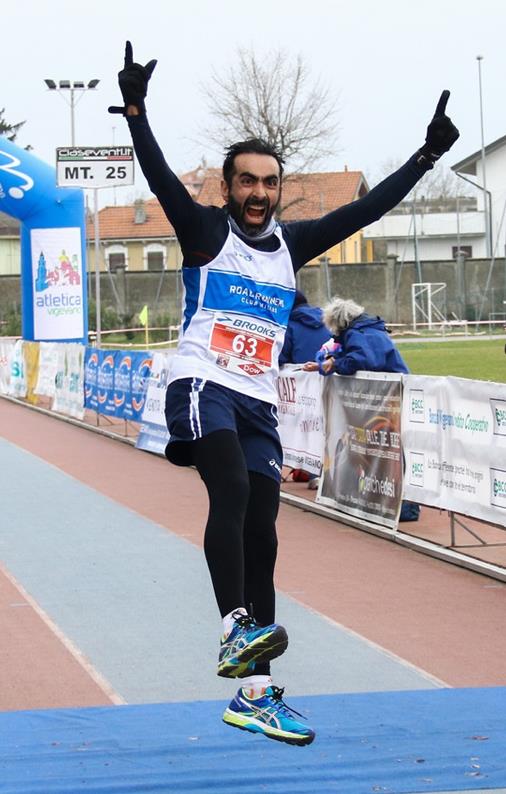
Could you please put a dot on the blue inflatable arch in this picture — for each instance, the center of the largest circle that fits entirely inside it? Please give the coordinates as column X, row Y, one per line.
column 53, row 246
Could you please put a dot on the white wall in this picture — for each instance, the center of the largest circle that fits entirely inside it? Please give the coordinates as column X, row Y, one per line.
column 495, row 165
column 437, row 233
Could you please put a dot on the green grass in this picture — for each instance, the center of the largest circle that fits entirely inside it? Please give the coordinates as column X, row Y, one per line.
column 482, row 359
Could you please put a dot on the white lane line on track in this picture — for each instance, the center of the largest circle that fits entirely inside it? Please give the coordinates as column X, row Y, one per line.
column 97, row 677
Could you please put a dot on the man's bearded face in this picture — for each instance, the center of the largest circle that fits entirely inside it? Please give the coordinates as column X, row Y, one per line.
column 255, row 191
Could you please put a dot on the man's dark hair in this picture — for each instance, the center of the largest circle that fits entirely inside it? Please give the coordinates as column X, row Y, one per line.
column 251, row 146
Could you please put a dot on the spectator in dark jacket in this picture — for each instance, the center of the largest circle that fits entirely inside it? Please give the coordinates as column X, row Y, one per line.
column 305, row 333
column 363, row 340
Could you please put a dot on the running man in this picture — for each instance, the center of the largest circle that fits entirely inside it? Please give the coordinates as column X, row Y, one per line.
column 239, row 267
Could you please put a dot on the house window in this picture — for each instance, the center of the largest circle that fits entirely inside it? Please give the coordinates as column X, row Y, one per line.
column 116, row 261
column 154, row 257
column 155, row 260
column 116, row 257
column 465, row 250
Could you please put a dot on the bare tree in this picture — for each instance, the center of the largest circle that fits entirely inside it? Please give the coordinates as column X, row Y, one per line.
column 273, row 98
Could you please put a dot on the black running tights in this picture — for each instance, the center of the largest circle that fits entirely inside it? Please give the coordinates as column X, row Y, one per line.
column 240, row 540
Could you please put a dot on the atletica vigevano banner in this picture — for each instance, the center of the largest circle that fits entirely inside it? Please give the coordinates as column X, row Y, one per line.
column 57, row 272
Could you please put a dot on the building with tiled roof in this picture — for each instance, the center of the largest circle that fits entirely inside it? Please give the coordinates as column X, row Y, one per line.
column 137, row 237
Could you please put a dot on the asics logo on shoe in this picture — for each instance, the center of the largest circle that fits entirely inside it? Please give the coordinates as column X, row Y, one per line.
column 248, row 643
column 270, row 715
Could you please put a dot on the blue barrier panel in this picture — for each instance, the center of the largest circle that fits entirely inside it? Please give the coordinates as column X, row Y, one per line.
column 105, row 381
column 91, row 378
column 141, row 370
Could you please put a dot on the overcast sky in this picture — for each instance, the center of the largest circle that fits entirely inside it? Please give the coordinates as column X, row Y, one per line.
column 386, row 62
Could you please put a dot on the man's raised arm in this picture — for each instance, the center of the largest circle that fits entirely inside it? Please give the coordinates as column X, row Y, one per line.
column 314, row 237
column 177, row 203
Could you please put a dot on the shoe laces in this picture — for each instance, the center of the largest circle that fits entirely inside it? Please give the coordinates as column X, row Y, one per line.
column 277, row 696
column 244, row 621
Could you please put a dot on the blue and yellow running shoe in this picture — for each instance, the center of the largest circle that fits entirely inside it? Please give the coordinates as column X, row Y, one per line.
column 268, row 714
column 248, row 643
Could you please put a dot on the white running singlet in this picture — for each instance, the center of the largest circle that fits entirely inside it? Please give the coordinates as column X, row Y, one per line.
column 235, row 313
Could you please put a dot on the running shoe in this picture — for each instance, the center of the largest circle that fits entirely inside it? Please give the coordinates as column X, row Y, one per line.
column 268, row 714
column 248, row 643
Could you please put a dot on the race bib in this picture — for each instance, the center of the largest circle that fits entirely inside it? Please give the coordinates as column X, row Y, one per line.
column 243, row 346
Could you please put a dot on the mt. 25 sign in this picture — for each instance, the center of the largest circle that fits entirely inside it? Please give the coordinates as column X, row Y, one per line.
column 94, row 166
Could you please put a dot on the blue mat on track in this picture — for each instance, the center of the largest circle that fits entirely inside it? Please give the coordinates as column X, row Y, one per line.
column 389, row 742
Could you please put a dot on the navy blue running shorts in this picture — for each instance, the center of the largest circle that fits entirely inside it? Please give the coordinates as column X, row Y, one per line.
column 195, row 408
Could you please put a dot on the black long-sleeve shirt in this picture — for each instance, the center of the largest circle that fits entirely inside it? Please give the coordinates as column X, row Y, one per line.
column 202, row 231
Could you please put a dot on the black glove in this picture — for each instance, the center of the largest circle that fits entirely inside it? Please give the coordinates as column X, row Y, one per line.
column 441, row 135
column 133, row 82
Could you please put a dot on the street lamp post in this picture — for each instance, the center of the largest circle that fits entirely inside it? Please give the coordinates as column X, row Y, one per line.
column 72, row 87
column 488, row 210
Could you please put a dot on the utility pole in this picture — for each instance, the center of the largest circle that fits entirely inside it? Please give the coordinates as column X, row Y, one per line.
column 486, row 207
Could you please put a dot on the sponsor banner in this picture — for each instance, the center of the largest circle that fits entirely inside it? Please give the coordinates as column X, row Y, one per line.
column 362, row 473
column 122, row 383
column 17, row 384
column 69, row 380
column 6, row 356
column 131, row 373
column 48, row 366
column 57, row 281
column 75, row 374
column 301, row 419
column 454, row 437
column 31, row 356
column 105, row 382
column 91, row 378
column 140, row 372
column 153, row 434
